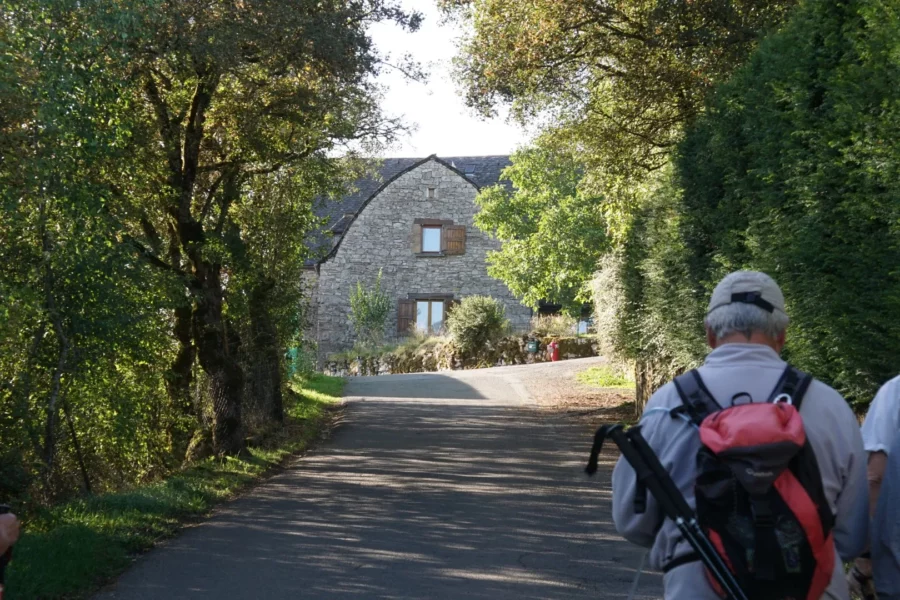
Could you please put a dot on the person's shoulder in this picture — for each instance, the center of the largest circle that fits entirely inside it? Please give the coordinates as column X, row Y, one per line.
column 890, row 389
column 823, row 400
column 823, row 394
column 665, row 397
column 884, row 405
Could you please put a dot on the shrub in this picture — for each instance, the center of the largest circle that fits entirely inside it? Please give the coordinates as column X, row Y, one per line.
column 369, row 310
column 476, row 321
column 604, row 377
column 553, row 325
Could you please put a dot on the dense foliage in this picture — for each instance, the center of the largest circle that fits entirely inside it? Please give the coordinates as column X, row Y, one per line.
column 553, row 231
column 476, row 321
column 369, row 312
column 612, row 82
column 158, row 162
column 793, row 171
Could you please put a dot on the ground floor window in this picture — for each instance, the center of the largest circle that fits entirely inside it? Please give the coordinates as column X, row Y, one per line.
column 429, row 315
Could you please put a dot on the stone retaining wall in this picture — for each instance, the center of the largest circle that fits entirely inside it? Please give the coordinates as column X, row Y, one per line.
column 446, row 357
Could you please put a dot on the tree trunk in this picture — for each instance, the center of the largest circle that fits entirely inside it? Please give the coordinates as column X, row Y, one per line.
column 62, row 362
column 265, row 356
column 226, row 378
column 178, row 382
column 53, row 408
column 79, row 455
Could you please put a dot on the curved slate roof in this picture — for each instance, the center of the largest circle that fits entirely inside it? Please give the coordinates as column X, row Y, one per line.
column 482, row 171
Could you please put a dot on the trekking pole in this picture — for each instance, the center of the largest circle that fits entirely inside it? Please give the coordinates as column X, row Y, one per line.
column 7, row 556
column 652, row 476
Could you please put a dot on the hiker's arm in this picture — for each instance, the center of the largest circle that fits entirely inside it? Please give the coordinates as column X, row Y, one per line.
column 876, row 467
column 9, row 531
column 661, row 433
column 638, row 529
column 851, row 520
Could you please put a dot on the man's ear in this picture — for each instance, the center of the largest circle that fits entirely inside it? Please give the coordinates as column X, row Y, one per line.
column 779, row 342
column 711, row 338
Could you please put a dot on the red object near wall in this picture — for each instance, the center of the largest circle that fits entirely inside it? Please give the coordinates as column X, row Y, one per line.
column 553, row 347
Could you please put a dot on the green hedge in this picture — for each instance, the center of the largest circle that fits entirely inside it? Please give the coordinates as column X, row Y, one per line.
column 793, row 170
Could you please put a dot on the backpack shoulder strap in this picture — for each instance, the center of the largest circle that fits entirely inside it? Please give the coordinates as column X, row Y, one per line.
column 696, row 399
column 793, row 384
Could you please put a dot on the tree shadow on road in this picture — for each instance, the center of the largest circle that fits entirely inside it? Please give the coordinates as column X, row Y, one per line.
column 416, row 500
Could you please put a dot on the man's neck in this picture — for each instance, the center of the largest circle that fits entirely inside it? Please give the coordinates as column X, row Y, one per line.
column 756, row 338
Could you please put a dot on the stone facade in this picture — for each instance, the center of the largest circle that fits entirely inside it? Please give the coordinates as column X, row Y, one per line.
column 383, row 236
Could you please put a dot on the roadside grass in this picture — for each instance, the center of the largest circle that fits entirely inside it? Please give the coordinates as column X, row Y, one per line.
column 604, row 377
column 69, row 551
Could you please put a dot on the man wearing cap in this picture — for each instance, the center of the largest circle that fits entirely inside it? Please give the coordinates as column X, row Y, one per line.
column 745, row 327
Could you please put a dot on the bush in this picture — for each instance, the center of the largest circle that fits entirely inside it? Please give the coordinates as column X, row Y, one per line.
column 553, row 325
column 369, row 310
column 476, row 321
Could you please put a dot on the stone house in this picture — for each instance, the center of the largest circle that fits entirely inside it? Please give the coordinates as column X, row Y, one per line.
column 414, row 222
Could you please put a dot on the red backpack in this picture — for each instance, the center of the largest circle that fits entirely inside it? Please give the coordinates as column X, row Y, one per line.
column 759, row 491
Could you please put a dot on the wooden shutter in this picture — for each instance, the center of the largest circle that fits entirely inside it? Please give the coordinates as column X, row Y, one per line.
column 406, row 316
column 455, row 235
column 416, row 238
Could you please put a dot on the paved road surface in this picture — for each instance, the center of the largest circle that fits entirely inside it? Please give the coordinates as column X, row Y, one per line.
column 435, row 486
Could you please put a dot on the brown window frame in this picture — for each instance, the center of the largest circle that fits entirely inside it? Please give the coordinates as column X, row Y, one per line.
column 408, row 322
column 431, row 302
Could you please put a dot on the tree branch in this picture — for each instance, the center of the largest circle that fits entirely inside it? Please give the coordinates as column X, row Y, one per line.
column 168, row 130
column 209, row 196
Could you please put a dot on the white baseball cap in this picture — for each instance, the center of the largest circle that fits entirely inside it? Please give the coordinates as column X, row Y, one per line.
column 748, row 287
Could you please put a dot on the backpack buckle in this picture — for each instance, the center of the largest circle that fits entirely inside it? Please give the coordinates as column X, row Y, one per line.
column 762, row 513
column 783, row 398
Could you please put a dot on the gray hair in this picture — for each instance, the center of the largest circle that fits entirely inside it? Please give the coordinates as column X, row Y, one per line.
column 745, row 319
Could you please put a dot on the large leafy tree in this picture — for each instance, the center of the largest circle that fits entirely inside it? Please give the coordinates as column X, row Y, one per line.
column 157, row 165
column 229, row 91
column 73, row 301
column 553, row 231
column 792, row 170
column 615, row 81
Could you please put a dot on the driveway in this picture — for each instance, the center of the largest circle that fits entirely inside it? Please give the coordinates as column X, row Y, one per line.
column 434, row 486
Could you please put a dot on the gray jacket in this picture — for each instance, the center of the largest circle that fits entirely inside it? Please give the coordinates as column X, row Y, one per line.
column 833, row 432
column 886, row 530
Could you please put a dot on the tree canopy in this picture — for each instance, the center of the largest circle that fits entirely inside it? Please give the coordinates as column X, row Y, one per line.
column 158, row 162
column 791, row 170
column 553, row 232
column 614, row 81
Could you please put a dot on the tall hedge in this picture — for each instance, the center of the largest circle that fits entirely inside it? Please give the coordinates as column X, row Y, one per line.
column 792, row 170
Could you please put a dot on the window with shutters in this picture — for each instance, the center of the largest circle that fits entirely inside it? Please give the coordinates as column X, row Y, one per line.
column 424, row 313
column 437, row 237
column 429, row 316
column 431, row 238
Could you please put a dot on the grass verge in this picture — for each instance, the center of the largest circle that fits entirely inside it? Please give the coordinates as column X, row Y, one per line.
column 604, row 377
column 71, row 550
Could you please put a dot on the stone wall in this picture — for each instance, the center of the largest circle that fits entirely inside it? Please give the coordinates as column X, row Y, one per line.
column 445, row 356
column 311, row 299
column 381, row 238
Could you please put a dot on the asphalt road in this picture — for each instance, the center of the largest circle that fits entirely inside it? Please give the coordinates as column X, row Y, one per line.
column 434, row 486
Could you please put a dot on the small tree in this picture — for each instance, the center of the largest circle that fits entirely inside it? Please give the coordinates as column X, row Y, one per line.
column 476, row 321
column 369, row 310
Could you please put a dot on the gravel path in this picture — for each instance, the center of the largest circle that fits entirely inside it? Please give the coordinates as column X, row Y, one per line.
column 434, row 486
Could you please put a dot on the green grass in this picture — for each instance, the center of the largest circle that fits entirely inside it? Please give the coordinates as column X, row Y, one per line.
column 70, row 550
column 604, row 377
